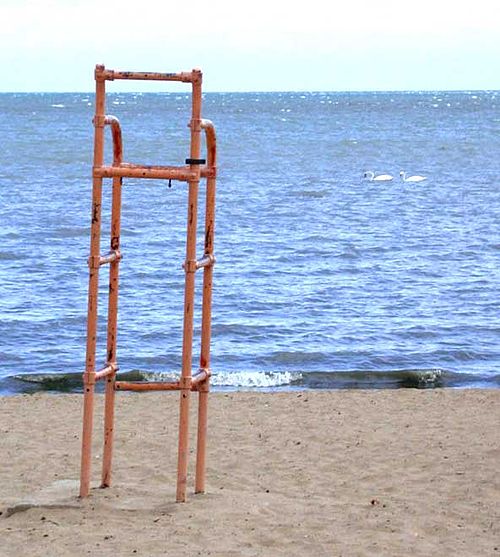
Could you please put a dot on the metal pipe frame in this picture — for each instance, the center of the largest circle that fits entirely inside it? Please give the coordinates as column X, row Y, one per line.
column 206, row 313
column 191, row 173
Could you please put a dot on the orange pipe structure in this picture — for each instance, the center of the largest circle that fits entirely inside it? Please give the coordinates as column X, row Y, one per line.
column 194, row 169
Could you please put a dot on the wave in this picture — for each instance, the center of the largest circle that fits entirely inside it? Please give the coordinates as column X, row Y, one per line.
column 10, row 256
column 270, row 380
column 256, row 379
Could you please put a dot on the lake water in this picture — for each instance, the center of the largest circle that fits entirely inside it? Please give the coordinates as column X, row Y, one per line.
column 323, row 278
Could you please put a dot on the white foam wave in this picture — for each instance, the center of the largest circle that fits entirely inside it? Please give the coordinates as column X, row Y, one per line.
column 242, row 379
column 255, row 378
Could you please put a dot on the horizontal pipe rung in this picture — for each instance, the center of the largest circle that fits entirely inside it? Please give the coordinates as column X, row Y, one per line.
column 146, row 386
column 181, row 173
column 105, row 371
column 200, row 376
column 195, row 380
column 185, row 77
column 192, row 265
column 114, row 255
column 206, row 261
column 127, row 170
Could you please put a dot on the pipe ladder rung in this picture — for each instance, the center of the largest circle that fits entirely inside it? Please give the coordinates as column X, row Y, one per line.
column 195, row 168
column 110, row 257
column 192, row 265
column 194, row 383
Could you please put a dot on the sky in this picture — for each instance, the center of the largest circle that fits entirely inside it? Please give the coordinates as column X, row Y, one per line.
column 260, row 45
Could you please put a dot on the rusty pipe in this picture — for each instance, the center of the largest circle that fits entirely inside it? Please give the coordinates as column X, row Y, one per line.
column 126, row 170
column 150, row 386
column 113, row 255
column 189, row 284
column 114, row 258
column 203, row 386
column 95, row 239
column 200, row 377
column 105, row 371
column 211, row 140
column 185, row 77
column 116, row 133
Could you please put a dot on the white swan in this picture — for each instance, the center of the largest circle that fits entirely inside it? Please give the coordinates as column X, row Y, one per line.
column 380, row 178
column 415, row 178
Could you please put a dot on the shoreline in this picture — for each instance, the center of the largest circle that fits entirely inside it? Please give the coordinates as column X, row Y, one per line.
column 260, row 381
column 350, row 472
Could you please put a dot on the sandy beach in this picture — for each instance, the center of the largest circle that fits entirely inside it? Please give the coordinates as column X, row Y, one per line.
column 338, row 473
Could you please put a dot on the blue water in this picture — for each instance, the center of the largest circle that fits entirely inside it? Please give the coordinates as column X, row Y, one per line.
column 323, row 279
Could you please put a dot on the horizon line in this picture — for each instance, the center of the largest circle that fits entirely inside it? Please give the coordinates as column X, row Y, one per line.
column 259, row 91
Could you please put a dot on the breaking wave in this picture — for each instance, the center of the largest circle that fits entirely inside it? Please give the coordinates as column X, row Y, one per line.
column 270, row 380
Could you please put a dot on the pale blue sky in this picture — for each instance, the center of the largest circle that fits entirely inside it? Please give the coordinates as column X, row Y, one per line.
column 261, row 45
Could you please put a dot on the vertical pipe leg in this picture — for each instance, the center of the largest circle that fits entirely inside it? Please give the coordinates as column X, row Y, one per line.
column 182, row 460
column 185, row 383
column 204, row 362
column 89, row 375
column 109, row 414
column 109, row 403
column 206, row 317
column 88, row 412
column 202, row 437
column 187, row 342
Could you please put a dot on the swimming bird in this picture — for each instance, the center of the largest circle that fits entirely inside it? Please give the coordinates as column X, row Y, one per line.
column 380, row 178
column 415, row 178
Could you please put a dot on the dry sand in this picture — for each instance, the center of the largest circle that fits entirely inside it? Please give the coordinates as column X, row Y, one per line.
column 346, row 473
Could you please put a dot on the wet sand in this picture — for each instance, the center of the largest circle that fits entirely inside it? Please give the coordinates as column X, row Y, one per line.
column 337, row 473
